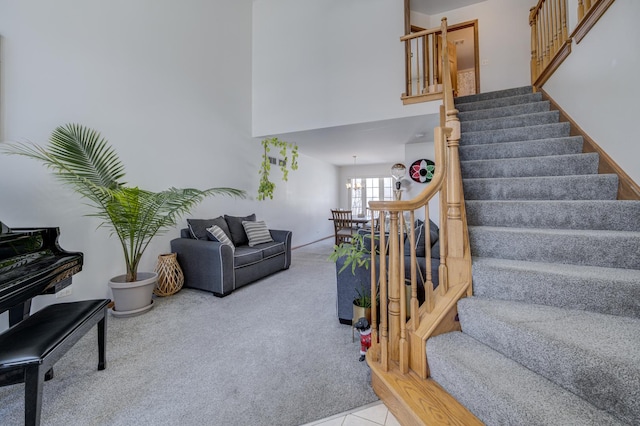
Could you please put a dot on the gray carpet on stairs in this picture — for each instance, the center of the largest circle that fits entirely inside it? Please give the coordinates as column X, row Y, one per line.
column 271, row 353
column 552, row 332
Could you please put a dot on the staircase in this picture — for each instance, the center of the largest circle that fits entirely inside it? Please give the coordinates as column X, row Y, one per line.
column 551, row 335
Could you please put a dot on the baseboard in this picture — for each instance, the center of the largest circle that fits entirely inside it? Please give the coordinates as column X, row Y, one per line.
column 627, row 188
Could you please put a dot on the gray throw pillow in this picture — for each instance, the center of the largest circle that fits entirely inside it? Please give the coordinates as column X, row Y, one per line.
column 420, row 233
column 237, row 232
column 198, row 227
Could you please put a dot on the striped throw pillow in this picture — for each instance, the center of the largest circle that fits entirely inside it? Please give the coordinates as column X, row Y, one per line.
column 257, row 232
column 220, row 235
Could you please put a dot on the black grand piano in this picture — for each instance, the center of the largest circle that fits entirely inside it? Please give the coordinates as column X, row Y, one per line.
column 32, row 263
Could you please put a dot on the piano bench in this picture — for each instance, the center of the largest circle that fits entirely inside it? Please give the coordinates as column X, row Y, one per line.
column 32, row 347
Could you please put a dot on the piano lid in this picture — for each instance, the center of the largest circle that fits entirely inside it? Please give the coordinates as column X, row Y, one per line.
column 32, row 263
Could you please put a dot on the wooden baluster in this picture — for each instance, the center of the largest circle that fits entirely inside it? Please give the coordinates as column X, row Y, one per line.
column 384, row 317
column 418, row 70
column 580, row 10
column 587, row 5
column 434, row 61
column 375, row 349
column 548, row 34
column 425, row 64
column 563, row 18
column 534, row 47
column 429, row 296
column 403, row 344
column 394, row 288
column 408, row 67
column 414, row 284
column 540, row 43
column 557, row 27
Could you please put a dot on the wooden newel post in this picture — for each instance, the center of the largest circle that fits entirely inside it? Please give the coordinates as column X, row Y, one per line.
column 455, row 229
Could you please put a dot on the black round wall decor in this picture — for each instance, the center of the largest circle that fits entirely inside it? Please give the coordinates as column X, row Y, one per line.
column 422, row 170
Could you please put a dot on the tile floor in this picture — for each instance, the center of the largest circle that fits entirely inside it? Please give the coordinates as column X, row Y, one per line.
column 374, row 414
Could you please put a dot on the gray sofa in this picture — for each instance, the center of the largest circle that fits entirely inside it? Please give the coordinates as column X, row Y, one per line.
column 348, row 284
column 211, row 265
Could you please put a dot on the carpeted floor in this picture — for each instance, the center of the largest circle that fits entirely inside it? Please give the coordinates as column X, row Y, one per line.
column 271, row 353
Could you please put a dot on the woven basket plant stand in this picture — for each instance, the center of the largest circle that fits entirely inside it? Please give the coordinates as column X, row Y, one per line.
column 170, row 276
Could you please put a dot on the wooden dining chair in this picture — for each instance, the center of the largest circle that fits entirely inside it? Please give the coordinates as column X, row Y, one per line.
column 343, row 225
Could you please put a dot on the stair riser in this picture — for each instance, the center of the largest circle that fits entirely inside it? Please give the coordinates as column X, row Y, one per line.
column 603, row 294
column 498, row 102
column 596, row 215
column 509, row 111
column 588, row 187
column 578, row 164
column 543, row 131
column 534, row 148
column 517, row 91
column 526, row 120
column 611, row 249
column 531, row 340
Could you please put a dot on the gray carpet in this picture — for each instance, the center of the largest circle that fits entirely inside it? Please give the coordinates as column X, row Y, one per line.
column 551, row 335
column 271, row 353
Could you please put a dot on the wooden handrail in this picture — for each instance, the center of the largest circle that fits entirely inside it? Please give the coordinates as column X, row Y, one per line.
column 397, row 340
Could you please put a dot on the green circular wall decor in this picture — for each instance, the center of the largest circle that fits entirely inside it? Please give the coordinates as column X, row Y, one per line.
column 422, row 170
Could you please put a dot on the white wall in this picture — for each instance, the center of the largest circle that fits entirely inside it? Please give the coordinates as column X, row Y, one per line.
column 504, row 40
column 323, row 63
column 596, row 85
column 169, row 85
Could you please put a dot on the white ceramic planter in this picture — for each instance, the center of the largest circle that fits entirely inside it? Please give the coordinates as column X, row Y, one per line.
column 132, row 298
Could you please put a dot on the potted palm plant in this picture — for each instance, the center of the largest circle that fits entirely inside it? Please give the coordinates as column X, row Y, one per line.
column 83, row 160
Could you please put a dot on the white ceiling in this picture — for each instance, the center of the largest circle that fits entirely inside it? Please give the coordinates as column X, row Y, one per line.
column 433, row 7
column 380, row 141
column 373, row 143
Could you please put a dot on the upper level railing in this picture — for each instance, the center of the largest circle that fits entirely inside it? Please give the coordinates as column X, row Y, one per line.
column 550, row 41
column 394, row 338
column 423, row 80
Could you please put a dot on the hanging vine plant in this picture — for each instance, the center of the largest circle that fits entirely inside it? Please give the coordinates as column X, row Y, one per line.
column 266, row 187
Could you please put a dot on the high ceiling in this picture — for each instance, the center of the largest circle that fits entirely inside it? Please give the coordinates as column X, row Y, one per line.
column 433, row 7
column 380, row 141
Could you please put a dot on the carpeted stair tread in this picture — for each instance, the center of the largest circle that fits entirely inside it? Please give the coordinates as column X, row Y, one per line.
column 556, row 165
column 499, row 391
column 618, row 249
column 612, row 291
column 525, row 120
column 516, row 91
column 498, row 102
column 587, row 187
column 592, row 355
column 613, row 215
column 511, row 110
column 531, row 148
column 516, row 134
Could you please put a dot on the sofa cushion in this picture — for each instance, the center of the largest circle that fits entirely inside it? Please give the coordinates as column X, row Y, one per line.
column 271, row 249
column 245, row 255
column 237, row 233
column 215, row 233
column 257, row 232
column 198, row 227
column 420, row 233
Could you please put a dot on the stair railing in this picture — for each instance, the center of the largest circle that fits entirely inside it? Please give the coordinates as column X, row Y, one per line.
column 395, row 338
column 550, row 43
column 588, row 14
column 423, row 69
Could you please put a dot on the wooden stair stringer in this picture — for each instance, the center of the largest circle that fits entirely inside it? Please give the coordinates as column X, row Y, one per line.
column 416, row 401
column 442, row 319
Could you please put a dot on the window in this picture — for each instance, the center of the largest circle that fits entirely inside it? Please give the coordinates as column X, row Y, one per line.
column 363, row 190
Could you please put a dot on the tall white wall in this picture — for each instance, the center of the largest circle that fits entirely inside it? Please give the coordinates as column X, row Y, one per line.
column 504, row 40
column 169, row 85
column 323, row 63
column 596, row 85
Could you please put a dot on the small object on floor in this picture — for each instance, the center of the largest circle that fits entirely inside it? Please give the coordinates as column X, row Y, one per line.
column 364, row 329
